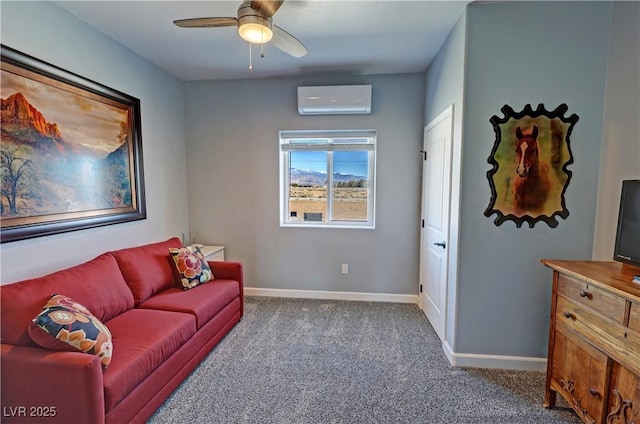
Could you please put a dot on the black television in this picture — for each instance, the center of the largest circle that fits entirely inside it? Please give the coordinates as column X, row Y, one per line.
column 627, row 247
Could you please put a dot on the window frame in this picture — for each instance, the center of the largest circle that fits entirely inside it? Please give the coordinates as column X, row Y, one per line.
column 334, row 141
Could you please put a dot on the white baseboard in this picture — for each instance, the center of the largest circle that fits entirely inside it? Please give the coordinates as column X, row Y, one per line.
column 332, row 295
column 472, row 360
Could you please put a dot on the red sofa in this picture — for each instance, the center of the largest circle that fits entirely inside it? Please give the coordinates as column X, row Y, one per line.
column 160, row 333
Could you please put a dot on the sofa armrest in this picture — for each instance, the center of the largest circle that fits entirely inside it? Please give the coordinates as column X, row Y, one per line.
column 230, row 271
column 45, row 386
column 227, row 271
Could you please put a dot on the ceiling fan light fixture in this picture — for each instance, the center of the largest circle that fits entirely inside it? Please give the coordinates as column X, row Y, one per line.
column 255, row 33
column 254, row 28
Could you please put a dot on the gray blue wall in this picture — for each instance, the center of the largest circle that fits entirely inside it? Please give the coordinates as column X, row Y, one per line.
column 50, row 33
column 233, row 154
column 522, row 53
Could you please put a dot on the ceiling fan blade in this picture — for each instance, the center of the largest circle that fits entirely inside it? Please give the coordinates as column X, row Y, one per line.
column 266, row 7
column 206, row 22
column 287, row 42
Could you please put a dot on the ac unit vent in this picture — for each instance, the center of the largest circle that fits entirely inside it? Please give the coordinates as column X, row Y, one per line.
column 334, row 100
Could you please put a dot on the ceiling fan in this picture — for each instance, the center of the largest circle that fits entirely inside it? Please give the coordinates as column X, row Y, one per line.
column 255, row 25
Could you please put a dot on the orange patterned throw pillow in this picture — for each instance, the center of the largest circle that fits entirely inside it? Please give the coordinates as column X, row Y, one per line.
column 192, row 268
column 64, row 324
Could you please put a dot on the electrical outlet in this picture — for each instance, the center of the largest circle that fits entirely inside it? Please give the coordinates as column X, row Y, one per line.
column 345, row 268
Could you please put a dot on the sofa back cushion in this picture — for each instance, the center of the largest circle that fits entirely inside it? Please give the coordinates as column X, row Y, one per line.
column 148, row 269
column 97, row 284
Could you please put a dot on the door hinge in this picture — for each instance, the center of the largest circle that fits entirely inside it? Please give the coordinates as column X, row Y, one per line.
column 420, row 288
column 422, row 223
column 424, row 154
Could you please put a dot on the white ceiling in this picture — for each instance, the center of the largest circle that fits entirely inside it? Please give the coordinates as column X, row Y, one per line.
column 358, row 36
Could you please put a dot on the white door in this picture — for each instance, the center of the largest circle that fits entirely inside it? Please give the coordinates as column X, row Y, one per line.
column 434, row 234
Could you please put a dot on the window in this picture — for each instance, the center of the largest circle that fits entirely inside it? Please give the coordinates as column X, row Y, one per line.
column 327, row 178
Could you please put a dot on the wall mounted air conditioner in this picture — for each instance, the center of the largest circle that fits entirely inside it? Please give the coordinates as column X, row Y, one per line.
column 334, row 100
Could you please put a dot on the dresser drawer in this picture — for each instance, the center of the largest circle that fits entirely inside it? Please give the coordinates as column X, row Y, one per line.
column 634, row 318
column 602, row 301
column 622, row 343
column 579, row 319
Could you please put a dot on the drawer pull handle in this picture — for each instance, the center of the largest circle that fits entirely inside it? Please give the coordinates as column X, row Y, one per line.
column 594, row 392
column 569, row 315
column 585, row 294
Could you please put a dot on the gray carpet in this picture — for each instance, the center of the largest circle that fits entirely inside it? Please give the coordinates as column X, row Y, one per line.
column 318, row 361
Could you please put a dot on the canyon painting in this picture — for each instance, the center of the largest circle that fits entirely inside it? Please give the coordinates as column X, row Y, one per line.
column 70, row 154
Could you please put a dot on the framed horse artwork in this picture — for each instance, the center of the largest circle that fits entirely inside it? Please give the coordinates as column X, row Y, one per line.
column 530, row 157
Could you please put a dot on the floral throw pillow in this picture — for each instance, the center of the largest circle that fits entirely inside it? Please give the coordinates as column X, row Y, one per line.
column 192, row 268
column 64, row 324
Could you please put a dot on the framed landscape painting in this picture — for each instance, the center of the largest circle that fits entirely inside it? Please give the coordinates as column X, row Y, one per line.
column 71, row 153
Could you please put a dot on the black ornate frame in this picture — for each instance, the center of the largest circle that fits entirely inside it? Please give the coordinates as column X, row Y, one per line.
column 555, row 131
column 41, row 74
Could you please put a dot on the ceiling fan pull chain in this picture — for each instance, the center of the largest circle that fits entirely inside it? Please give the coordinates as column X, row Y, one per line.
column 250, row 65
column 262, row 50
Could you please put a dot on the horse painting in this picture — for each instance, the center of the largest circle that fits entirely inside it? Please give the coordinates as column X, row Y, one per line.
column 534, row 144
column 531, row 184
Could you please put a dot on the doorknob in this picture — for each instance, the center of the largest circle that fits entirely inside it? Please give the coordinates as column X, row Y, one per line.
column 443, row 245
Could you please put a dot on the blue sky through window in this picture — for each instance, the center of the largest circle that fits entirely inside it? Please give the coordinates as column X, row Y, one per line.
column 344, row 162
column 313, row 160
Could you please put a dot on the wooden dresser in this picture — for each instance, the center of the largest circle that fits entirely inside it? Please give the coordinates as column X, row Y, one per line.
column 594, row 340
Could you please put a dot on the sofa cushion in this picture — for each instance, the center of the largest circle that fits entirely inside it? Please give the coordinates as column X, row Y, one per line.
column 204, row 301
column 64, row 324
column 191, row 267
column 147, row 269
column 97, row 284
column 143, row 340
